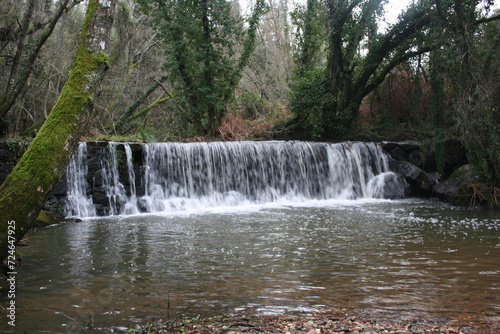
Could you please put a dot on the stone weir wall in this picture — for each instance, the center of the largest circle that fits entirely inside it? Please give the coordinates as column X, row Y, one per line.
column 99, row 178
column 12, row 150
column 410, row 159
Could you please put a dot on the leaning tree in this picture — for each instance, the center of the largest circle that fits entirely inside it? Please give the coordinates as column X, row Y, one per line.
column 24, row 192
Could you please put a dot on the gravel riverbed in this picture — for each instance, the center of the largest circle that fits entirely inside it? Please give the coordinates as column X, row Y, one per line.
column 322, row 323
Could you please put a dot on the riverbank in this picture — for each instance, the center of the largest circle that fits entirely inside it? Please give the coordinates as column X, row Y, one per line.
column 330, row 322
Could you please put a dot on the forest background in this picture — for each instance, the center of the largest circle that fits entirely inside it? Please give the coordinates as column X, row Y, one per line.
column 276, row 69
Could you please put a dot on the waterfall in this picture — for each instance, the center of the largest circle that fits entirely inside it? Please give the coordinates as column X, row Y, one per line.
column 169, row 177
column 78, row 203
column 131, row 204
column 114, row 189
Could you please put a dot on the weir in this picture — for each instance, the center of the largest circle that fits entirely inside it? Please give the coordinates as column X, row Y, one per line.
column 130, row 178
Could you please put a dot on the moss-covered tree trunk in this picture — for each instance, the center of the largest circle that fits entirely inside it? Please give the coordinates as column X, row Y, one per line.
column 24, row 192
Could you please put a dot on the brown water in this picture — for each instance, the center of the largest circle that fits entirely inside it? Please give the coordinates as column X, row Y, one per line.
column 400, row 259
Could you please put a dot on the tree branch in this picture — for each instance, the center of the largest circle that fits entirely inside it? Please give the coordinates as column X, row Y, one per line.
column 378, row 79
column 400, row 33
column 18, row 80
column 146, row 110
column 118, row 125
column 488, row 19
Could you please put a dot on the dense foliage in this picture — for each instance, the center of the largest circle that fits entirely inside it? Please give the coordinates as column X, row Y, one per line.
column 186, row 68
column 201, row 39
column 466, row 85
column 358, row 58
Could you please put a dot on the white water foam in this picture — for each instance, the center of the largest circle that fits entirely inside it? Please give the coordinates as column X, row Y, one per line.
column 198, row 177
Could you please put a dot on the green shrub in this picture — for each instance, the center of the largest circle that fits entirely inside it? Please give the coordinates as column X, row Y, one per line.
column 311, row 103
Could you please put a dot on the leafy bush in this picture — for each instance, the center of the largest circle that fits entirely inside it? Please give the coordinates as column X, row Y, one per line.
column 311, row 102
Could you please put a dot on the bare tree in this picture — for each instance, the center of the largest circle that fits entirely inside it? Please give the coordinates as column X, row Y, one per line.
column 267, row 74
column 22, row 43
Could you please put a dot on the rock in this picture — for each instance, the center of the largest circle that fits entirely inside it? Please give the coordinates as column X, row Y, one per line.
column 420, row 182
column 54, row 205
column 402, row 150
column 46, row 218
column 455, row 190
column 312, row 325
column 423, row 156
column 445, row 189
column 389, row 185
column 464, row 175
column 416, row 157
column 60, row 189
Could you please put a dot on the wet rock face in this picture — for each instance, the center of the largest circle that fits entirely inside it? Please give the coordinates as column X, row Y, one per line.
column 409, row 151
column 413, row 163
column 416, row 163
column 422, row 155
column 421, row 183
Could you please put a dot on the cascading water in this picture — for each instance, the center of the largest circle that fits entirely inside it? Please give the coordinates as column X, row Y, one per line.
column 131, row 205
column 78, row 203
column 167, row 177
column 115, row 191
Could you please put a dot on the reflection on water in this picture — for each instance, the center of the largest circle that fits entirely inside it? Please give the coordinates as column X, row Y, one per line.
column 397, row 258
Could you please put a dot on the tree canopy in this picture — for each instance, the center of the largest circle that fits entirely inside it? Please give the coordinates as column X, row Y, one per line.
column 206, row 51
column 358, row 58
column 323, row 70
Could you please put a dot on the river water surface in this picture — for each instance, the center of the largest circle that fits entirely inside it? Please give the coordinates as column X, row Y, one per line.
column 402, row 259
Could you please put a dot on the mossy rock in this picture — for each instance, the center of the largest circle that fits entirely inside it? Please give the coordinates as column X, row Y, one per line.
column 46, row 218
column 464, row 175
column 470, row 190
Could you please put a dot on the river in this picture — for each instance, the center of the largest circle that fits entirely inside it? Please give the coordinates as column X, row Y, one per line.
column 401, row 259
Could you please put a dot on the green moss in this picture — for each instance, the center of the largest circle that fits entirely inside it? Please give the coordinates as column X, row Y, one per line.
column 23, row 193
column 46, row 218
column 146, row 110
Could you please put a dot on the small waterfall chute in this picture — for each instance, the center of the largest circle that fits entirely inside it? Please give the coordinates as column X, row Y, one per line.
column 168, row 177
column 78, row 203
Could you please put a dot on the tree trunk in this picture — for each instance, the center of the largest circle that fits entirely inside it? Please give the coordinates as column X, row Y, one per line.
column 24, row 192
column 351, row 76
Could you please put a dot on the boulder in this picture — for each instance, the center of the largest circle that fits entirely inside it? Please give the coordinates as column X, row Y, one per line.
column 455, row 189
column 389, row 185
column 46, row 218
column 420, row 182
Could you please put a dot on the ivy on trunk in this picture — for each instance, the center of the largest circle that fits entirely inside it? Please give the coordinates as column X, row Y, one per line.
column 202, row 39
column 359, row 57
